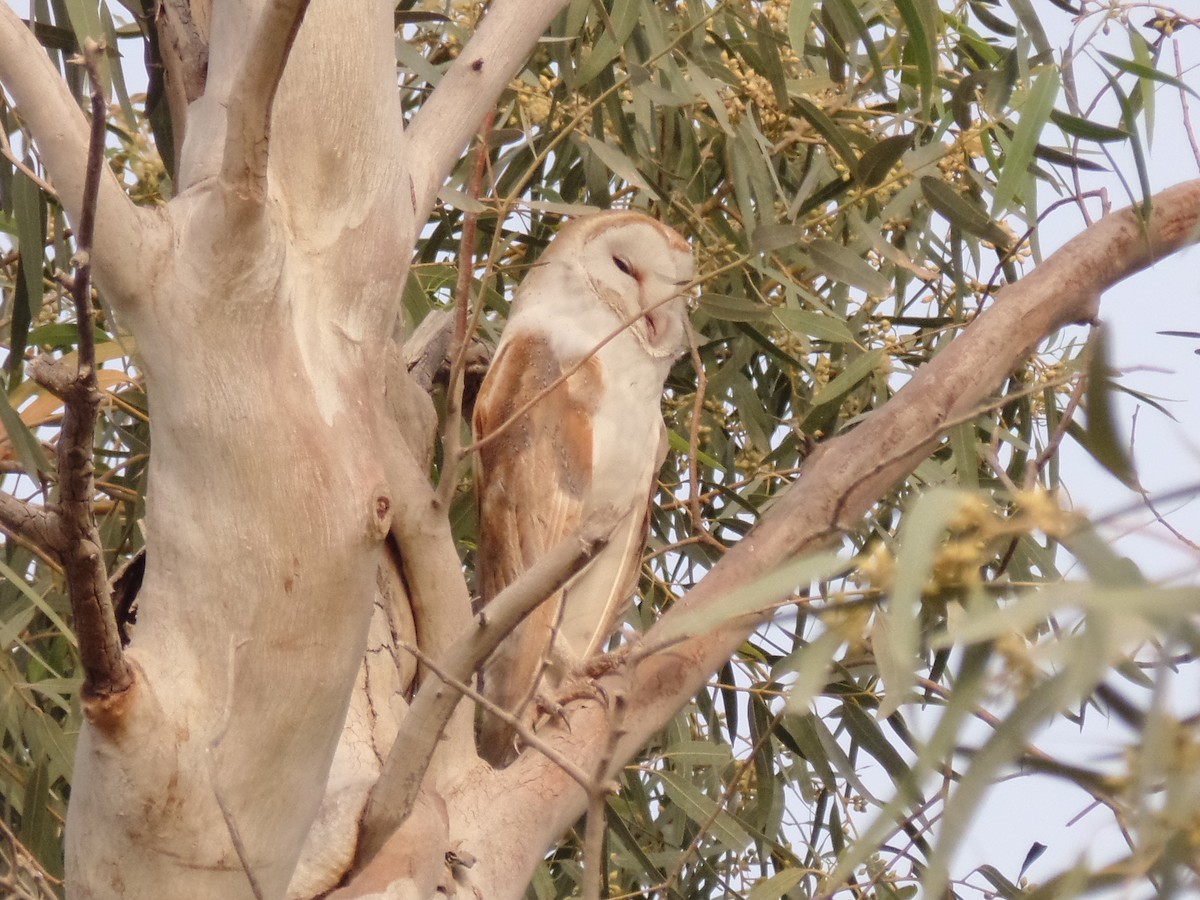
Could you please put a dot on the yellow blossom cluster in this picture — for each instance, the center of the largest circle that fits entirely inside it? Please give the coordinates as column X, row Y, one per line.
column 753, row 91
column 137, row 163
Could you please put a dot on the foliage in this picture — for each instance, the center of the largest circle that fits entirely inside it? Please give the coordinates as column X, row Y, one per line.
column 858, row 179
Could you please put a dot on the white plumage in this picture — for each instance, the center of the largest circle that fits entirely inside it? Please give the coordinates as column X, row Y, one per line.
column 593, row 443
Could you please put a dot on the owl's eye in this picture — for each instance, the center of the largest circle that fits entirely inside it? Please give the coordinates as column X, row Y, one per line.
column 622, row 265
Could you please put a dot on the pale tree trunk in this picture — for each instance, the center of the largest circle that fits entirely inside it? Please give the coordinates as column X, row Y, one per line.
column 263, row 301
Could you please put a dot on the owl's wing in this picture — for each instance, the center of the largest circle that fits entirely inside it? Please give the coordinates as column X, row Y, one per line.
column 532, row 481
column 597, row 599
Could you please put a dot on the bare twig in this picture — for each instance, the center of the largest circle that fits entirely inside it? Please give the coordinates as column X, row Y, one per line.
column 527, row 734
column 1149, row 500
column 6, row 151
column 698, row 526
column 403, row 771
column 452, row 433
column 106, row 672
column 1060, row 432
column 1183, row 103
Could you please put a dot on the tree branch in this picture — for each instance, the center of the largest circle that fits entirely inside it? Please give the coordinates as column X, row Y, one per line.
column 442, row 128
column 32, row 523
column 838, row 484
column 404, row 770
column 130, row 241
column 106, row 673
column 247, row 138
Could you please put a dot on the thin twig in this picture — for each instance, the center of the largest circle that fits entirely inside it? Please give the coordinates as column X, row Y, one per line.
column 7, row 151
column 399, row 783
column 452, row 454
column 698, row 526
column 106, row 672
column 1183, row 102
column 527, row 734
column 1060, row 431
column 1150, row 500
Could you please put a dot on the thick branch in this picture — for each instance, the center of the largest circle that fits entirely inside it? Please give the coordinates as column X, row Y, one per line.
column 838, row 485
column 442, row 128
column 404, row 770
column 130, row 241
column 244, row 164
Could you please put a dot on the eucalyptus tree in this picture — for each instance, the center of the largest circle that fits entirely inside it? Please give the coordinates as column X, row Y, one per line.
column 240, row 515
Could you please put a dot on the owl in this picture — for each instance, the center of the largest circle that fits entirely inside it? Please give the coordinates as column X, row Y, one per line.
column 591, row 446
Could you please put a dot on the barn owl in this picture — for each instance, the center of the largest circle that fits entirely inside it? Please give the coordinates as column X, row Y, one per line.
column 590, row 447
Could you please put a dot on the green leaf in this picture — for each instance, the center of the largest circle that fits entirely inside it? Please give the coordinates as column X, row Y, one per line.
column 920, row 17
column 754, row 599
column 922, row 532
column 814, row 324
column 1144, row 71
column 1035, row 112
column 704, row 811
column 1087, row 129
column 1102, row 438
column 842, row 264
column 1129, row 119
column 39, row 601
column 620, row 24
column 859, row 369
column 39, row 833
column 962, row 212
column 777, row 885
column 1033, row 25
column 877, row 162
column 734, row 309
column 799, row 17
column 838, row 142
column 616, row 161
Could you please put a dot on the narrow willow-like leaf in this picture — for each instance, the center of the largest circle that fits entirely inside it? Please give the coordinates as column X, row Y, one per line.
column 919, row 18
column 814, row 324
column 1102, row 438
column 841, row 264
column 621, row 22
column 1035, row 111
column 960, row 211
column 1088, row 129
column 777, row 885
column 854, row 373
column 704, row 811
column 1142, row 70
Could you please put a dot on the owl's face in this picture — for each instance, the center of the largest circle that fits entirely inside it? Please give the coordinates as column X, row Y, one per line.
column 636, row 266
